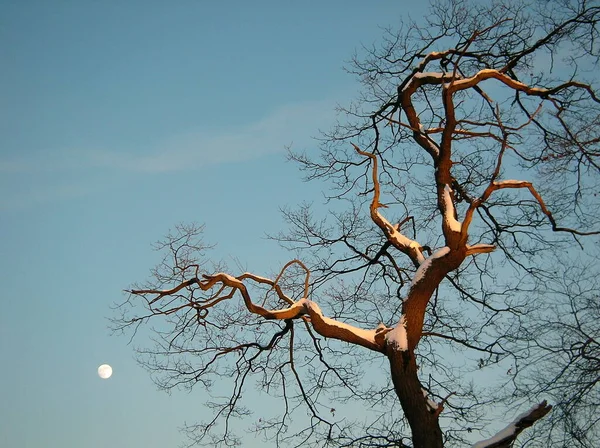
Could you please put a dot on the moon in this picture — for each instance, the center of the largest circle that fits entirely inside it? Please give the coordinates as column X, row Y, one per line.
column 104, row 371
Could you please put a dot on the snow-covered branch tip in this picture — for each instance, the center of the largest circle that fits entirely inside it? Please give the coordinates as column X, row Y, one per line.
column 506, row 437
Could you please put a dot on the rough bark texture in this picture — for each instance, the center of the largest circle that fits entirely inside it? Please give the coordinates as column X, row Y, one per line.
column 423, row 420
column 415, row 305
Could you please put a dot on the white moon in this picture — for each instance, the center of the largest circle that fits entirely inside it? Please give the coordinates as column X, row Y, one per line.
column 104, row 371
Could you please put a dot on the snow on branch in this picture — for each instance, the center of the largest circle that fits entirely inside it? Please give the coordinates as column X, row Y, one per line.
column 427, row 78
column 420, row 274
column 397, row 337
column 482, row 75
column 225, row 286
column 449, row 212
column 506, row 437
column 400, row 241
column 331, row 328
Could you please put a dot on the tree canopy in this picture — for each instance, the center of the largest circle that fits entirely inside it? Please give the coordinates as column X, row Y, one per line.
column 453, row 281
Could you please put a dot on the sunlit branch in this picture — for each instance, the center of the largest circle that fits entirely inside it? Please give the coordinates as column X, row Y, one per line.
column 323, row 325
column 480, row 249
column 482, row 75
column 391, row 232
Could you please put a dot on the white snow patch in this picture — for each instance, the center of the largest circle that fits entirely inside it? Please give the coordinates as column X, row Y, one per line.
column 432, row 405
column 257, row 277
column 507, row 432
column 508, row 182
column 504, row 434
column 368, row 335
column 402, row 240
column 397, row 336
column 300, row 304
column 449, row 218
column 436, row 75
column 427, row 263
column 422, row 75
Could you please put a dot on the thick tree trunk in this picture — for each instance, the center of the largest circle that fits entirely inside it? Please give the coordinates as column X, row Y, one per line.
column 423, row 421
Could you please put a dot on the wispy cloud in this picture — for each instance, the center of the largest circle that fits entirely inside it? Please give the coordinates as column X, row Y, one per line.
column 43, row 194
column 292, row 124
column 44, row 176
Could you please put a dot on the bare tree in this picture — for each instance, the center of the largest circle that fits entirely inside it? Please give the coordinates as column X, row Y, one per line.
column 465, row 172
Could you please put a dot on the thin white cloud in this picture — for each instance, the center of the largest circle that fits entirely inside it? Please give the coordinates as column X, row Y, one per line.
column 43, row 194
column 44, row 172
column 294, row 123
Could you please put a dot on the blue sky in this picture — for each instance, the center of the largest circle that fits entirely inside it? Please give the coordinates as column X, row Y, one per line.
column 119, row 120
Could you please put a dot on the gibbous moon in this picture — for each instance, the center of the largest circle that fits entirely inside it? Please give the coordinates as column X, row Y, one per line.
column 104, row 371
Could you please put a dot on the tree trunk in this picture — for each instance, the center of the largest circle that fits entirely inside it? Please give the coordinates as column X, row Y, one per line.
column 423, row 421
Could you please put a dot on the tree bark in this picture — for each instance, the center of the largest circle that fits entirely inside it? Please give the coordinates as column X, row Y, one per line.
column 423, row 421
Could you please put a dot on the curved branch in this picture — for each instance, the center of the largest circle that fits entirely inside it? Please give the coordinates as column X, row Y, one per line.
column 498, row 185
column 391, row 232
column 325, row 326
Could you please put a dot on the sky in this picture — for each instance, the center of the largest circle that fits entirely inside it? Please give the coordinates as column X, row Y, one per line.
column 119, row 120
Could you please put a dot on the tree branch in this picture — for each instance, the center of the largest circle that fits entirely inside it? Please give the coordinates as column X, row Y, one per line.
column 506, row 437
column 325, row 326
column 391, row 232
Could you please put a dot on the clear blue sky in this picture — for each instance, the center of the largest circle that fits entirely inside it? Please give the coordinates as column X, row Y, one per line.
column 119, row 119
